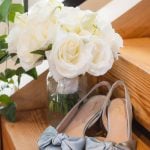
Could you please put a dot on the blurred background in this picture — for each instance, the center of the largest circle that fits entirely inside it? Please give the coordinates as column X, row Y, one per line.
column 73, row 2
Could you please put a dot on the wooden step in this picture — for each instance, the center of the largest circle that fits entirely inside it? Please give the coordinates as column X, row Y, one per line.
column 24, row 134
column 134, row 23
column 133, row 67
column 32, row 96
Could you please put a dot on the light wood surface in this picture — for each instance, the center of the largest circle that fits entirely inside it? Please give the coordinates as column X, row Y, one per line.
column 24, row 134
column 33, row 95
column 136, row 22
column 142, row 142
column 134, row 68
column 137, row 52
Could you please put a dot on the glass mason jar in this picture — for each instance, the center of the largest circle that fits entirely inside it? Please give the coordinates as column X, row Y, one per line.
column 63, row 95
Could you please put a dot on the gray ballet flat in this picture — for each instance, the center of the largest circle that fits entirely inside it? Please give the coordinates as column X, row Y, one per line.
column 69, row 134
column 117, row 119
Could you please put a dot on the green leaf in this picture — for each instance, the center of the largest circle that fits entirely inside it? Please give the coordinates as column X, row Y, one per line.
column 9, row 73
column 19, row 79
column 39, row 52
column 11, row 81
column 13, row 55
column 3, row 44
column 10, row 112
column 2, row 77
column 32, row 73
column 2, row 37
column 3, row 56
column 17, row 61
column 13, row 9
column 8, row 108
column 42, row 52
column 4, row 10
column 20, row 71
column 49, row 47
column 5, row 100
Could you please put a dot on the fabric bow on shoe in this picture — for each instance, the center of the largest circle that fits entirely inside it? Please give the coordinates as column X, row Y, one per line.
column 94, row 144
column 53, row 140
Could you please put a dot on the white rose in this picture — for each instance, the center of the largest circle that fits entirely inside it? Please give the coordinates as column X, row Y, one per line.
column 102, row 59
column 14, row 34
column 43, row 16
column 95, row 24
column 109, row 35
column 71, row 55
column 116, row 44
column 70, row 19
column 52, row 68
column 112, row 38
column 26, row 44
column 44, row 10
column 65, row 85
column 12, row 40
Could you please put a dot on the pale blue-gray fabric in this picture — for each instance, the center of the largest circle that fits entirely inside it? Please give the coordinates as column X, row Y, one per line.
column 52, row 140
column 94, row 144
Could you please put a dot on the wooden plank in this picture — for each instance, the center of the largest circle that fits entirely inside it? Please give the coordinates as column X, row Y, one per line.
column 23, row 134
column 33, row 95
column 141, row 135
column 137, row 52
column 136, row 22
column 134, row 69
column 142, row 142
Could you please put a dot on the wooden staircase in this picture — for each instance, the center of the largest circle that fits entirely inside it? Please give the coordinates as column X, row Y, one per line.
column 133, row 66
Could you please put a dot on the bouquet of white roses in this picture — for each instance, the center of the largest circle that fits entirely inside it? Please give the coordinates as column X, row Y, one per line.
column 75, row 41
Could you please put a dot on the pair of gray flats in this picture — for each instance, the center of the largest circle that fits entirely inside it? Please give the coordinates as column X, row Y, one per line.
column 114, row 114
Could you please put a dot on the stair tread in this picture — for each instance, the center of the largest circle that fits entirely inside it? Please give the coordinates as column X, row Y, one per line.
column 137, row 51
column 30, row 125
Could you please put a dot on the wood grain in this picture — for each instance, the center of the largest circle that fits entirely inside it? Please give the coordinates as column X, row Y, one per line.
column 142, row 142
column 137, row 52
column 24, row 134
column 135, row 23
column 136, row 75
column 33, row 95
